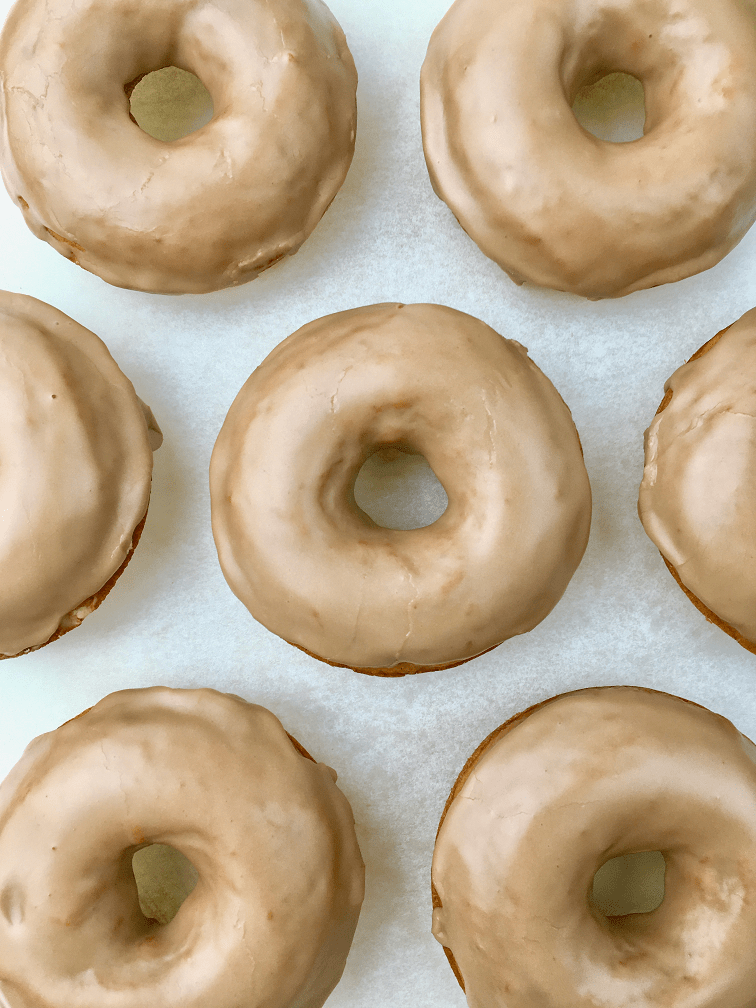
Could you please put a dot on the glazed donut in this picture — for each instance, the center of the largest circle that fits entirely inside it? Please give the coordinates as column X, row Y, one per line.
column 213, row 209
column 311, row 566
column 76, row 464
column 271, row 918
column 554, row 794
column 551, row 203
column 699, row 480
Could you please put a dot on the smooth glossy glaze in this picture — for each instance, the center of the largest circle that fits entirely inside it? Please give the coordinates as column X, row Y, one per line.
column 75, row 472
column 697, row 497
column 208, row 211
column 548, row 201
column 314, row 568
column 550, row 797
column 271, row 918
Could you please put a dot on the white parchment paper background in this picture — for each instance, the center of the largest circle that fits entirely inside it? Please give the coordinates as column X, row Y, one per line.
column 396, row 744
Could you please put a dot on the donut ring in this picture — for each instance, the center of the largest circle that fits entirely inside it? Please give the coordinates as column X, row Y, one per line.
column 213, row 209
column 271, row 918
column 549, row 202
column 552, row 795
column 313, row 568
column 76, row 463
column 699, row 480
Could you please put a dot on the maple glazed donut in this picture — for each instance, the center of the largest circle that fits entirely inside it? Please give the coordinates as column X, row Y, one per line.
column 280, row 878
column 76, row 464
column 210, row 210
column 699, row 479
column 549, row 202
column 554, row 794
column 311, row 566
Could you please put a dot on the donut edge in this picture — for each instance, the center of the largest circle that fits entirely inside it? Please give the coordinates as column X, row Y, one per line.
column 490, row 739
column 93, row 602
column 710, row 615
column 393, row 671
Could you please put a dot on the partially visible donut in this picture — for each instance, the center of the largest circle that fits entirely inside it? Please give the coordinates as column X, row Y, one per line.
column 549, row 202
column 555, row 793
column 311, row 566
column 213, row 209
column 271, row 918
column 76, row 465
column 696, row 501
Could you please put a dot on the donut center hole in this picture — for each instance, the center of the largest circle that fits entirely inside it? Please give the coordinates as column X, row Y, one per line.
column 170, row 103
column 613, row 109
column 630, row 884
column 164, row 878
column 398, row 489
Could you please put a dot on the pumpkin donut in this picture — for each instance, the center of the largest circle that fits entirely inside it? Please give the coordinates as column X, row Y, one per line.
column 76, row 464
column 213, row 209
column 699, row 480
column 549, row 202
column 270, row 920
column 311, row 566
column 551, row 796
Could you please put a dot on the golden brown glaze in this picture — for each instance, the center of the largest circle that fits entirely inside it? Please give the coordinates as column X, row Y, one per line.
column 549, row 202
column 558, row 791
column 312, row 567
column 77, row 615
column 699, row 480
column 271, row 919
column 76, row 463
column 213, row 209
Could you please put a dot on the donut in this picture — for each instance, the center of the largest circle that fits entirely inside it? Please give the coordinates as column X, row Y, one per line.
column 699, row 479
column 549, row 202
column 76, row 464
column 208, row 211
column 280, row 877
column 312, row 567
column 550, row 797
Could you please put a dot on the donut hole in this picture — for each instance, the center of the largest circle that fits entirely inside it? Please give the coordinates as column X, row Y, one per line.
column 613, row 108
column 398, row 489
column 170, row 103
column 629, row 884
column 164, row 878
